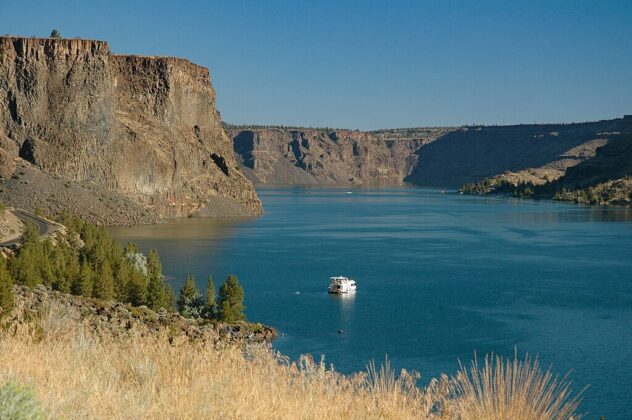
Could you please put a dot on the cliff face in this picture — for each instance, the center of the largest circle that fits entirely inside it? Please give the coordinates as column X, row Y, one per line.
column 145, row 128
column 474, row 153
column 612, row 161
column 341, row 157
column 437, row 157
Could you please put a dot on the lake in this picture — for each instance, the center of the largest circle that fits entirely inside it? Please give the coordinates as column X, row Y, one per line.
column 440, row 277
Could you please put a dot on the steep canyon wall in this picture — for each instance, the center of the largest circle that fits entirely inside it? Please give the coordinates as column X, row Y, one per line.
column 437, row 157
column 144, row 130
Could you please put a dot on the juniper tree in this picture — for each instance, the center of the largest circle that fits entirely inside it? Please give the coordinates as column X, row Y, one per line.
column 157, row 295
column 83, row 282
column 210, row 311
column 62, row 256
column 104, row 283
column 231, row 300
column 190, row 303
column 25, row 267
column 31, row 234
column 6, row 291
column 136, row 288
column 121, row 280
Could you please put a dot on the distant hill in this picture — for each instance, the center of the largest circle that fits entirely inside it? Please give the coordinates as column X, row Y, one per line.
column 605, row 178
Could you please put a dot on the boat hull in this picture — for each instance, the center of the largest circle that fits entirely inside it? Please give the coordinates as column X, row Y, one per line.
column 341, row 285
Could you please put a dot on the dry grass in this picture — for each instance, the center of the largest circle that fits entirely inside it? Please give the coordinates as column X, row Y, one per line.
column 512, row 389
column 76, row 375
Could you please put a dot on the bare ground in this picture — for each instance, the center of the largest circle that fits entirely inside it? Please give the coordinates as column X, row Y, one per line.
column 37, row 192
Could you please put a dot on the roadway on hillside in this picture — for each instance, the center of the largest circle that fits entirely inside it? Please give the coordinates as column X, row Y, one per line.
column 45, row 227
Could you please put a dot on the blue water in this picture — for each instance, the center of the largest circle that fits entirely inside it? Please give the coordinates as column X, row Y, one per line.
column 440, row 277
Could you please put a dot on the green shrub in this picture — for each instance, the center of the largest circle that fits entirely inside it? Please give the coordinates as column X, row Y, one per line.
column 18, row 403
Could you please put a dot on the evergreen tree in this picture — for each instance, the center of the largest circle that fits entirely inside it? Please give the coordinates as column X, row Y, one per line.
column 130, row 248
column 121, row 280
column 31, row 234
column 73, row 271
column 55, row 34
column 156, row 289
column 231, row 300
column 190, row 303
column 84, row 281
column 210, row 311
column 104, row 283
column 60, row 260
column 136, row 288
column 23, row 267
column 100, row 267
column 46, row 262
column 6, row 291
column 170, row 296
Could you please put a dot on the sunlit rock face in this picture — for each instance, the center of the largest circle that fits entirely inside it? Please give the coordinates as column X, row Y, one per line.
column 145, row 128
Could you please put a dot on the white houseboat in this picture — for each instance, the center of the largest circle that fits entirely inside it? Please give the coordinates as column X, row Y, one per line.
column 341, row 285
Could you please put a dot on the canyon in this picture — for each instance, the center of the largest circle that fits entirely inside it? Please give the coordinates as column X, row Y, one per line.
column 126, row 139
column 434, row 157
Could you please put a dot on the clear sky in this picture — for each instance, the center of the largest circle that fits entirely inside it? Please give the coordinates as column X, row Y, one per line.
column 373, row 64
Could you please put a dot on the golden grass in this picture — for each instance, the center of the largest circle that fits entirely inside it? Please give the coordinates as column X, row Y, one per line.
column 77, row 375
column 512, row 389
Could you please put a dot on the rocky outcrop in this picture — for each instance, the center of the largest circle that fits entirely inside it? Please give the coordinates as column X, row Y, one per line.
column 11, row 228
column 437, row 157
column 144, row 128
column 118, row 320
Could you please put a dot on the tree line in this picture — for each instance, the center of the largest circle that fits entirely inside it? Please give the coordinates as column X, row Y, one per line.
column 89, row 262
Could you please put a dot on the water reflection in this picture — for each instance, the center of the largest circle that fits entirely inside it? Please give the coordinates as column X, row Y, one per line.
column 346, row 303
column 567, row 214
column 181, row 229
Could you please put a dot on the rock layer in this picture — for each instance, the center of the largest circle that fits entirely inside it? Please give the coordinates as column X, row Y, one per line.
column 145, row 128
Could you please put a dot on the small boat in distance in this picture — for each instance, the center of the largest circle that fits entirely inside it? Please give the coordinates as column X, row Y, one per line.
column 340, row 285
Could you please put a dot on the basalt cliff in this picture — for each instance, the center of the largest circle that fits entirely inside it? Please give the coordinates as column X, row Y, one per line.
column 436, row 157
column 307, row 156
column 116, row 139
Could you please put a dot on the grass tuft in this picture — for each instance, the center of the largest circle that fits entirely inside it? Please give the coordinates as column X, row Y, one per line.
column 512, row 389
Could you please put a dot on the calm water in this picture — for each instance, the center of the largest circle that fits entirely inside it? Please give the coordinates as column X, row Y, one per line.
column 440, row 276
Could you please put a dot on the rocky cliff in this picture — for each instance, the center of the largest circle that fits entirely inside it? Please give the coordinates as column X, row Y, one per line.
column 132, row 138
column 437, row 157
column 330, row 157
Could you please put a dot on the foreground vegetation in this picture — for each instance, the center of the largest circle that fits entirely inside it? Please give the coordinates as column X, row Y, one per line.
column 75, row 373
column 88, row 262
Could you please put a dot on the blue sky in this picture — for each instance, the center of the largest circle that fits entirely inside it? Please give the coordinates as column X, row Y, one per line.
column 373, row 64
